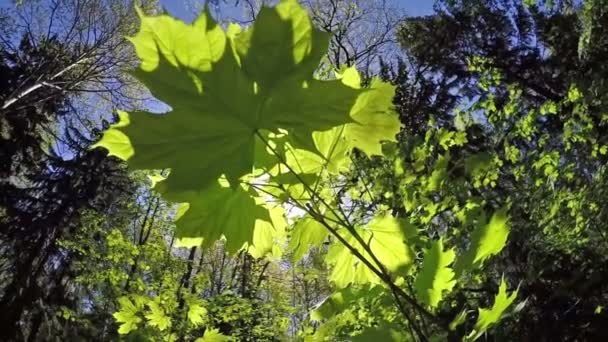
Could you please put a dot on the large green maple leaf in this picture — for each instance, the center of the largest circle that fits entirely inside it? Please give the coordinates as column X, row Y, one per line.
column 233, row 95
column 225, row 89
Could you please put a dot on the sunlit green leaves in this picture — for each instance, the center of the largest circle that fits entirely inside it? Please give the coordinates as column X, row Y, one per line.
column 157, row 317
column 268, row 236
column 199, row 70
column 196, row 312
column 307, row 232
column 330, row 155
column 270, row 74
column 487, row 239
column 212, row 335
column 342, row 299
column 375, row 119
column 488, row 317
column 436, row 276
column 386, row 237
column 249, row 122
column 127, row 315
column 220, row 211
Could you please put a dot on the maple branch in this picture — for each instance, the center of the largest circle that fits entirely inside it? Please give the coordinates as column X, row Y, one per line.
column 380, row 271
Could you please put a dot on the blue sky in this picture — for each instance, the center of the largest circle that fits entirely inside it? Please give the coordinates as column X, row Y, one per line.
column 179, row 9
column 413, row 8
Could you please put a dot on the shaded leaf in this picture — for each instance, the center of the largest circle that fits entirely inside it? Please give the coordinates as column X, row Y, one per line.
column 384, row 332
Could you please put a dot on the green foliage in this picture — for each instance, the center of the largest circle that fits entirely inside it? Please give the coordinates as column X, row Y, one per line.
column 196, row 313
column 487, row 239
column 127, row 315
column 212, row 335
column 436, row 276
column 290, row 140
column 211, row 215
column 315, row 114
column 306, row 233
column 489, row 317
column 203, row 84
column 157, row 317
column 341, row 300
column 385, row 238
column 382, row 332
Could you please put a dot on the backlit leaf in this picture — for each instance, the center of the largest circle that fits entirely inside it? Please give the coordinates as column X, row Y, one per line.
column 157, row 316
column 386, row 237
column 487, row 239
column 221, row 211
column 196, row 313
column 489, row 317
column 269, row 68
column 127, row 316
column 436, row 276
column 212, row 335
column 307, row 232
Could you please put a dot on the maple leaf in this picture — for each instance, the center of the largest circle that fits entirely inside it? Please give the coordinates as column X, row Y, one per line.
column 307, row 232
column 157, row 317
column 225, row 91
column 220, row 211
column 487, row 239
column 231, row 94
column 489, row 317
column 436, row 276
column 127, row 316
column 196, row 313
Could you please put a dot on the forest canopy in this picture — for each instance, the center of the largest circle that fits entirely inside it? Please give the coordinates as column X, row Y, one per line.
column 315, row 170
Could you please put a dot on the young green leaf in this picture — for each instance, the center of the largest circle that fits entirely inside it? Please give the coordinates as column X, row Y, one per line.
column 436, row 276
column 375, row 119
column 127, row 316
column 266, row 235
column 212, row 335
column 157, row 317
column 488, row 317
column 487, row 240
